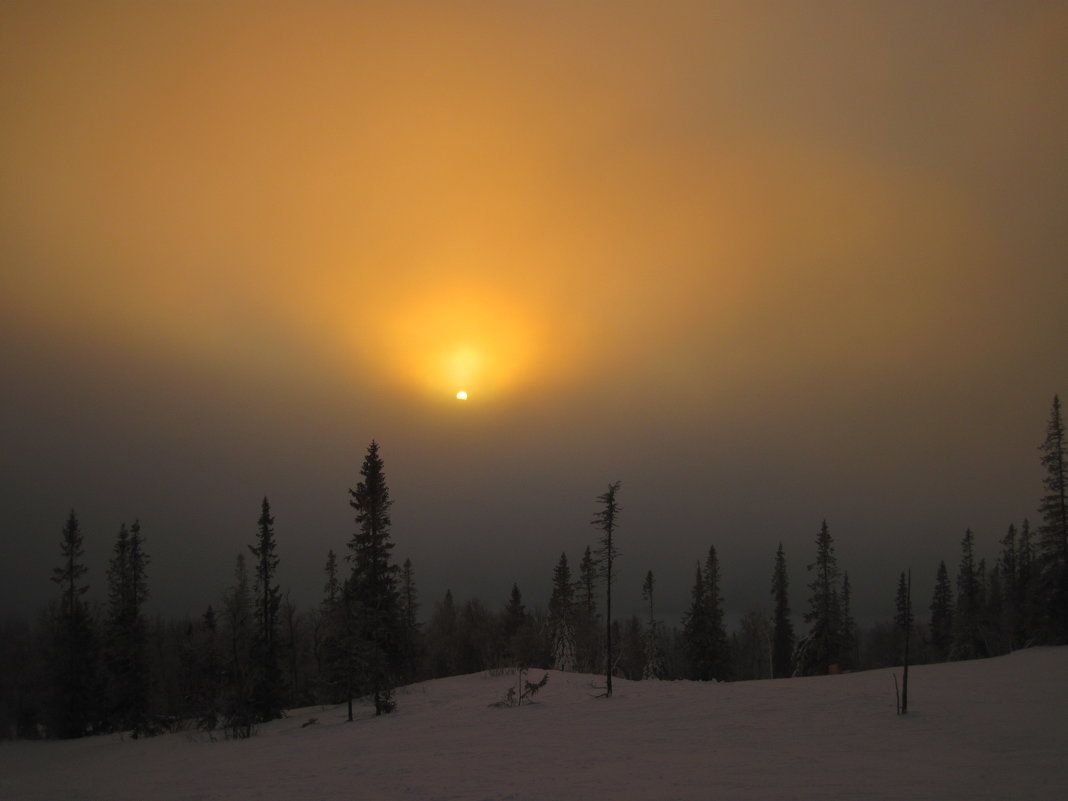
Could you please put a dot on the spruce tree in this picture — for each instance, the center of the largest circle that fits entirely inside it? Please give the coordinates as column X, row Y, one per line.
column 73, row 658
column 993, row 616
column 116, row 636
column 267, row 681
column 209, row 672
column 291, row 643
column 651, row 668
column 904, row 621
column 562, row 617
column 1026, row 586
column 588, row 582
column 719, row 646
column 328, row 645
column 696, row 630
column 942, row 615
column 332, row 587
column 587, row 637
column 607, row 520
column 239, row 705
column 1009, row 622
column 783, row 636
column 1053, row 533
column 981, row 582
column 967, row 635
column 823, row 641
column 127, row 637
column 372, row 594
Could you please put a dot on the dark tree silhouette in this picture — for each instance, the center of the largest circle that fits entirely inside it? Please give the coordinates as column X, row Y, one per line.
column 562, row 616
column 1053, row 533
column 1026, row 585
column 719, row 657
column 515, row 613
column 515, row 628
column 329, row 646
column 706, row 641
column 824, row 613
column 73, row 658
column 695, row 628
column 587, row 636
column 127, row 637
column 1009, row 622
column 372, row 596
column 239, row 708
column 942, row 614
column 588, row 582
column 967, row 623
column 607, row 520
column 904, row 621
column 332, row 587
column 783, row 636
column 267, row 676
column 651, row 646
column 207, row 679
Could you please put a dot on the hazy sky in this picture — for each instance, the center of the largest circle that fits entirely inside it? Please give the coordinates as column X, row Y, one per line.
column 766, row 263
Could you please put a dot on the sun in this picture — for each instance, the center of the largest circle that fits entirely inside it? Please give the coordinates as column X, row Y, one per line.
column 461, row 395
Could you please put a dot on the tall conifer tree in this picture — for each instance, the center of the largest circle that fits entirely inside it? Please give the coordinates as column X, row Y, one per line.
column 329, row 642
column 783, row 636
column 372, row 587
column 587, row 635
column 967, row 634
column 1010, row 618
column 127, row 636
column 1053, row 534
column 824, row 608
column 607, row 520
column 588, row 582
column 942, row 614
column 904, row 621
column 562, row 617
column 73, row 659
column 695, row 631
column 719, row 655
column 268, row 599
column 1026, row 585
column 239, row 615
column 651, row 645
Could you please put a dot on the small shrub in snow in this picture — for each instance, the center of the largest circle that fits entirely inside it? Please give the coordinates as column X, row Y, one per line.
column 523, row 691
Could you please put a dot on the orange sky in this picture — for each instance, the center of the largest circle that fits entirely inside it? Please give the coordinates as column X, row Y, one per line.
column 669, row 220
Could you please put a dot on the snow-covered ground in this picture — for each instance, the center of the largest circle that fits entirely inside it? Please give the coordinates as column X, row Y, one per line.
column 990, row 729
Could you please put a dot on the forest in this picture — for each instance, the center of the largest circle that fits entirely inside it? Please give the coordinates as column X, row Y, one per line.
column 83, row 668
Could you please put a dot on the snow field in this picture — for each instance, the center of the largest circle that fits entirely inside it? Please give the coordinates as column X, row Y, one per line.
column 988, row 729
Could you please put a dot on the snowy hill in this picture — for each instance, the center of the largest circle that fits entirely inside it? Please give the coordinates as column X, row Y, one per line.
column 989, row 729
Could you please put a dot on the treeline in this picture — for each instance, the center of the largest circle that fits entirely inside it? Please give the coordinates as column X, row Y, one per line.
column 84, row 668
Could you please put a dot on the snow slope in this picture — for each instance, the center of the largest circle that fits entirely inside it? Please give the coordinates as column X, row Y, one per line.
column 989, row 729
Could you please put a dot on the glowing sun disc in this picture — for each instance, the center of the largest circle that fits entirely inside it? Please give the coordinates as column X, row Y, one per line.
column 461, row 395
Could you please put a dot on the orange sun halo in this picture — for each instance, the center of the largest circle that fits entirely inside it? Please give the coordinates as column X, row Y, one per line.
column 471, row 339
